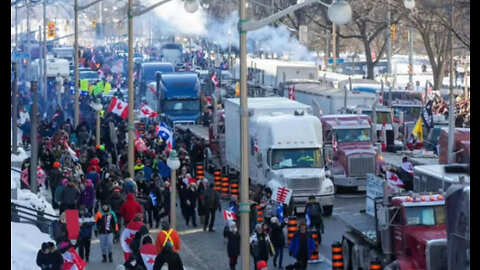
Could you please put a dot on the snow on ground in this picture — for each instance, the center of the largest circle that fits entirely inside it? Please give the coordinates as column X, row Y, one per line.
column 38, row 202
column 15, row 179
column 22, row 154
column 26, row 240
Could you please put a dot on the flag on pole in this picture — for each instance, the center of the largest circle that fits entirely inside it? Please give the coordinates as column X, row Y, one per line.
column 166, row 134
column 214, row 80
column 280, row 212
column 147, row 111
column 139, row 143
column 149, row 253
column 307, row 218
column 228, row 215
column 71, row 260
column 119, row 108
column 282, row 195
column 427, row 115
column 418, row 130
column 72, row 153
column 129, row 233
column 394, row 179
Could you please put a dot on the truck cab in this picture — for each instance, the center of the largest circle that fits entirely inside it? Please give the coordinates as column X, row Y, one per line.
column 419, row 232
column 147, row 82
column 348, row 149
column 179, row 98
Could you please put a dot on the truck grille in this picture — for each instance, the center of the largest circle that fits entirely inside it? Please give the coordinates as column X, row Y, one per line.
column 360, row 165
column 304, row 186
column 436, row 254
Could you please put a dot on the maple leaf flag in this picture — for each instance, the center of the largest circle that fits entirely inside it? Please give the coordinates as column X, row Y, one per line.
column 214, row 80
column 148, row 252
column 128, row 234
column 139, row 143
column 228, row 215
column 118, row 107
column 147, row 111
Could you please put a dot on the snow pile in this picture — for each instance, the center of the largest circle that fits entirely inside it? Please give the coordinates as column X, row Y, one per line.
column 28, row 199
column 22, row 154
column 15, row 179
column 26, row 240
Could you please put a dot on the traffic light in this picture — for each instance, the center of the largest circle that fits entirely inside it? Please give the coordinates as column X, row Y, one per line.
column 51, row 30
column 393, row 36
column 410, row 70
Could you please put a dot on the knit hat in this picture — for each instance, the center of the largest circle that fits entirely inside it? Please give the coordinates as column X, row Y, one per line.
column 261, row 265
column 56, row 164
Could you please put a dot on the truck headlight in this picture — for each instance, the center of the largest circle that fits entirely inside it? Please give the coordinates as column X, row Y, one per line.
column 329, row 189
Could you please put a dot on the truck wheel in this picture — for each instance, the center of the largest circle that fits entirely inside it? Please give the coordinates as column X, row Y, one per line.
column 327, row 210
column 346, row 252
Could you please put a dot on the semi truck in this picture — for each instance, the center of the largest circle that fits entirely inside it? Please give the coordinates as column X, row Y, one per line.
column 348, row 149
column 407, row 231
column 179, row 98
column 147, row 83
column 432, row 178
column 172, row 53
column 285, row 149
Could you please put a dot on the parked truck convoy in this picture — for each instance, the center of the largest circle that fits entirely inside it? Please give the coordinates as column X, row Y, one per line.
column 348, row 149
column 285, row 149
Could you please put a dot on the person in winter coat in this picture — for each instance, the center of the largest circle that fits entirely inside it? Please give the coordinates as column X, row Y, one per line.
column 129, row 208
column 170, row 257
column 191, row 203
column 44, row 258
column 314, row 211
column 167, row 235
column 56, row 255
column 136, row 244
column 182, row 193
column 147, row 170
column 278, row 240
column 302, row 245
column 138, row 166
column 115, row 201
column 70, row 197
column 260, row 245
column 55, row 180
column 86, row 228
column 202, row 211
column 130, row 186
column 58, row 191
column 59, row 229
column 94, row 176
column 26, row 133
column 104, row 190
column 105, row 226
column 154, row 203
column 87, row 197
column 212, row 203
column 94, row 165
column 233, row 245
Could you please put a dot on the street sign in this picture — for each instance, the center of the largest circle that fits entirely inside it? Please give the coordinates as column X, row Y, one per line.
column 339, row 60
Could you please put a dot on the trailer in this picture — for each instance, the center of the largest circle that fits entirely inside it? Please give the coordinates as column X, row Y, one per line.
column 433, row 178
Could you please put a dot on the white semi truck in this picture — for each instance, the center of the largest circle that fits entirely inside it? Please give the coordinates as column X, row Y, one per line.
column 285, row 149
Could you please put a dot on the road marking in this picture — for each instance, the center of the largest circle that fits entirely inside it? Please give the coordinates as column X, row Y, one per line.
column 190, row 231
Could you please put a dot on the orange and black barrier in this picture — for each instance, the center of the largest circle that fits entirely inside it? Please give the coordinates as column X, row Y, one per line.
column 337, row 256
column 291, row 228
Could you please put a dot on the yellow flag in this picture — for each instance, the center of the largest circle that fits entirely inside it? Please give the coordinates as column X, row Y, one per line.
column 108, row 86
column 418, row 130
column 84, row 85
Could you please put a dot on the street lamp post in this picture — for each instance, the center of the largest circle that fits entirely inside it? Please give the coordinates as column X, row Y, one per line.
column 451, row 107
column 97, row 106
column 340, row 13
column 410, row 4
column 173, row 163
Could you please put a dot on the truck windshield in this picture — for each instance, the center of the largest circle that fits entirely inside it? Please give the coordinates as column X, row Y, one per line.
column 182, row 105
column 352, row 135
column 411, row 112
column 381, row 117
column 427, row 216
column 296, row 158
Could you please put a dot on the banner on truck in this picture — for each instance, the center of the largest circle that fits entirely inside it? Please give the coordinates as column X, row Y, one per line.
column 282, row 195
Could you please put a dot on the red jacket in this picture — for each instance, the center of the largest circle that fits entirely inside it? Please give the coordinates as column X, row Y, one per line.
column 93, row 165
column 130, row 208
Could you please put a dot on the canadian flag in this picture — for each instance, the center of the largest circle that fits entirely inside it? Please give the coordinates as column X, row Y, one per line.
column 72, row 261
column 152, row 88
column 228, row 215
column 118, row 107
column 148, row 252
column 72, row 153
column 139, row 143
column 393, row 178
column 128, row 234
column 147, row 111
column 380, row 99
column 214, row 80
column 334, row 144
column 291, row 92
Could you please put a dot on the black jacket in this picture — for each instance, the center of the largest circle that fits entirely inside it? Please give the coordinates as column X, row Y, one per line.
column 171, row 258
column 115, row 201
column 136, row 243
column 45, row 260
column 233, row 246
column 57, row 260
column 55, row 178
column 276, row 235
column 70, row 195
column 60, row 232
column 104, row 190
column 192, row 197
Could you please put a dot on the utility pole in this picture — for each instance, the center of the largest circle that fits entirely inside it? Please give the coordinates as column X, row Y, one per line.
column 75, row 63
column 244, row 207
column 451, row 109
column 130, row 89
column 33, row 138
column 410, row 56
column 389, row 43
column 15, row 110
column 40, row 66
column 334, row 46
column 27, row 72
column 45, row 90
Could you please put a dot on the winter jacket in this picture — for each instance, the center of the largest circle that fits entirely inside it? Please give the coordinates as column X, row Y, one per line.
column 130, row 186
column 95, row 177
column 276, row 235
column 130, row 208
column 55, row 177
column 70, row 195
column 58, row 192
column 294, row 246
column 94, row 165
column 212, row 199
column 233, row 246
column 115, row 201
column 88, row 196
column 170, row 257
column 26, row 129
column 137, row 241
column 106, row 222
column 155, row 197
column 260, row 246
column 315, row 220
column 163, row 169
column 44, row 260
column 191, row 197
column 147, row 170
column 162, row 235
column 59, row 231
column 202, row 210
column 57, row 260
column 104, row 190
column 86, row 226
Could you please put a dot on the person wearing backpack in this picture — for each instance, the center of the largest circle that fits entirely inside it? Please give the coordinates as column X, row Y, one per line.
column 313, row 213
column 212, row 203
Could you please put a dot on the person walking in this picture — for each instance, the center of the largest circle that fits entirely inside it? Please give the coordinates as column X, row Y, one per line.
column 233, row 245
column 55, row 180
column 212, row 203
column 130, row 208
column 154, row 204
column 105, row 227
column 278, row 240
column 58, row 229
column 136, row 243
column 168, row 256
column 202, row 187
column 191, row 202
column 260, row 245
column 57, row 256
column 85, row 236
column 87, row 197
column 44, row 258
column 115, row 201
column 302, row 245
column 313, row 212
column 70, row 197
column 167, row 235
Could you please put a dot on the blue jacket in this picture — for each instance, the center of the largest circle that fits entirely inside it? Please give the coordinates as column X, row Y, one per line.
column 86, row 226
column 294, row 246
column 26, row 129
column 163, row 169
column 147, row 170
